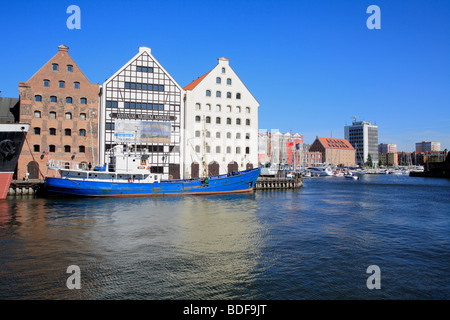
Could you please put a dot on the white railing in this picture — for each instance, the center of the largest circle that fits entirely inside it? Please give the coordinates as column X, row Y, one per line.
column 64, row 164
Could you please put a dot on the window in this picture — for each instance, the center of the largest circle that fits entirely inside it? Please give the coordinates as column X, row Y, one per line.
column 208, row 107
column 36, row 148
column 197, row 149
column 238, row 135
column 247, row 136
column 228, row 149
column 218, row 80
column 228, row 135
column 197, row 134
column 247, row 109
column 83, row 101
column 238, row 95
column 82, row 132
column 217, row 149
column 81, row 149
column 218, row 120
column 208, row 93
column 229, row 81
column 247, row 150
column 238, row 121
column 223, row 70
column 66, row 148
column 228, row 95
column 69, row 68
column 62, row 84
column 67, row 132
column 238, row 109
column 51, row 148
column 238, row 150
column 38, row 98
column 68, row 116
column 82, row 116
column 197, row 106
column 109, row 126
column 52, row 115
column 208, row 119
column 37, row 114
column 55, row 67
column 69, row 100
column 76, row 85
column 208, row 149
column 197, row 118
column 218, row 108
column 208, row 134
column 218, row 135
column 46, row 83
column 53, row 99
column 228, row 108
column 247, row 122
column 228, row 120
column 218, row 94
column 37, row 131
column 52, row 131
column 111, row 104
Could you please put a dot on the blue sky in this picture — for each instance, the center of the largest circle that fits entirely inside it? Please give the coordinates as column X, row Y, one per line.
column 312, row 65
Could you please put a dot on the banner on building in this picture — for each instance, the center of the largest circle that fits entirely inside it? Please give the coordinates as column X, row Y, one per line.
column 142, row 132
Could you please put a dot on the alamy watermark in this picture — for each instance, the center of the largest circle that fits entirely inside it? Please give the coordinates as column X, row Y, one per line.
column 374, row 281
column 374, row 21
column 74, row 20
column 74, row 281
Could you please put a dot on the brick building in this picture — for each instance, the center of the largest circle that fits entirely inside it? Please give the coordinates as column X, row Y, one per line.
column 61, row 106
column 335, row 151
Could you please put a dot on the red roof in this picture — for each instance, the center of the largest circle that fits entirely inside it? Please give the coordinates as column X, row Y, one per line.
column 330, row 143
column 194, row 83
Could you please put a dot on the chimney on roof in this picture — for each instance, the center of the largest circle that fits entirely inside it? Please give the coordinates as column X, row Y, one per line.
column 63, row 48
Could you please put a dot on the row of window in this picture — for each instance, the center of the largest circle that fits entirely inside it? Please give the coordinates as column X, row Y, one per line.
column 144, row 86
column 67, row 132
column 61, row 84
column 52, row 115
column 144, row 69
column 219, row 94
column 218, row 149
column 219, row 120
column 38, row 98
column 218, row 135
column 219, row 80
column 136, row 105
column 218, row 108
column 52, row 148
column 55, row 67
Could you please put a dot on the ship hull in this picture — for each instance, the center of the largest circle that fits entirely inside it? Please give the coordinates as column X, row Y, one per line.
column 12, row 137
column 240, row 182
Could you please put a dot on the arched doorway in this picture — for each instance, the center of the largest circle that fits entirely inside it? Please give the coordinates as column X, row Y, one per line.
column 33, row 170
column 233, row 166
column 195, row 168
column 249, row 166
column 213, row 169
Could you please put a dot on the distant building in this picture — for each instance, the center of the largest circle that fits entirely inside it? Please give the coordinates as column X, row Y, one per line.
column 335, row 151
column 426, row 146
column 363, row 136
column 61, row 105
column 278, row 148
column 387, row 148
column 388, row 159
column 221, row 123
column 311, row 158
column 142, row 106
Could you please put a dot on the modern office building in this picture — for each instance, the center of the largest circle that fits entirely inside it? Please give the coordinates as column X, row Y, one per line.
column 142, row 108
column 363, row 136
column 387, row 148
column 428, row 146
column 221, row 123
column 61, row 106
column 337, row 152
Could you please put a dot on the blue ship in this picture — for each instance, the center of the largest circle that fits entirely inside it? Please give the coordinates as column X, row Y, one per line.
column 127, row 176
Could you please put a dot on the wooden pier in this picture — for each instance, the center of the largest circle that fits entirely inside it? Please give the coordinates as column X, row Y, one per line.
column 23, row 187
column 278, row 183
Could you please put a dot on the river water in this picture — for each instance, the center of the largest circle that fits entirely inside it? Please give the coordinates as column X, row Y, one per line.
column 313, row 243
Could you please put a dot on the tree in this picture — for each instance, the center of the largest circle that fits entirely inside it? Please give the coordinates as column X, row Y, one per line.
column 369, row 161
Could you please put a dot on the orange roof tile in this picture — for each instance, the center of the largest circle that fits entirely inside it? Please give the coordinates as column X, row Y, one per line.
column 194, row 83
column 331, row 143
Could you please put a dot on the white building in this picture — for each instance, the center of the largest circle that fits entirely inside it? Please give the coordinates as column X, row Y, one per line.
column 363, row 136
column 221, row 124
column 428, row 146
column 141, row 105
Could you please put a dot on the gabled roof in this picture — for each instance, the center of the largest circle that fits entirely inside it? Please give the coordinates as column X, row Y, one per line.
column 194, row 83
column 330, row 143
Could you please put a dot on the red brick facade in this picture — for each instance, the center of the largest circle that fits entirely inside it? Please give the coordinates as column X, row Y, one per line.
column 61, row 106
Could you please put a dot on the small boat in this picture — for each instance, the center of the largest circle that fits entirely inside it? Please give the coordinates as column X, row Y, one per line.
column 321, row 170
column 350, row 175
column 130, row 175
column 338, row 173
